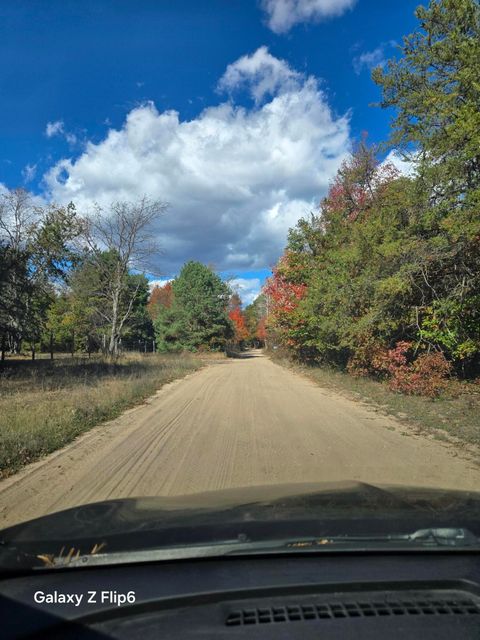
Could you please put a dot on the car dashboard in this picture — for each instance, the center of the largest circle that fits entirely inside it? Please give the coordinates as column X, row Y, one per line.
column 336, row 595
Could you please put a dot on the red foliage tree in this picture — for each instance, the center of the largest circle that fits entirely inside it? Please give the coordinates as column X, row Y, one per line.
column 237, row 317
column 284, row 290
column 283, row 294
column 360, row 181
column 160, row 297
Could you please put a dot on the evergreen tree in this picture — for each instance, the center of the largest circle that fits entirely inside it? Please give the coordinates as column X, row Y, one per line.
column 198, row 315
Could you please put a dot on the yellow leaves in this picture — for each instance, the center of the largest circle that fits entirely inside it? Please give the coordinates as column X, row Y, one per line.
column 50, row 560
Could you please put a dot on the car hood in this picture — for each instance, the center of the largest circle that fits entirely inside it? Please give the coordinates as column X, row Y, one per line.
column 250, row 513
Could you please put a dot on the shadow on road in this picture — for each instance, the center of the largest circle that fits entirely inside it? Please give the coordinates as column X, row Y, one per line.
column 244, row 355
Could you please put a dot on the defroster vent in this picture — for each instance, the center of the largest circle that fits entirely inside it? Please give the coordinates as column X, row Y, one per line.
column 360, row 608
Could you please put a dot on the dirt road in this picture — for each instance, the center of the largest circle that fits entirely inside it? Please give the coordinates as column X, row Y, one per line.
column 236, row 423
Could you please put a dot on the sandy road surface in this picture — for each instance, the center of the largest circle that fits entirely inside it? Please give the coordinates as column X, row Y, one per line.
column 235, row 423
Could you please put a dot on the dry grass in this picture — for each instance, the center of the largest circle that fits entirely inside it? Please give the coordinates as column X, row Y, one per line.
column 454, row 416
column 44, row 405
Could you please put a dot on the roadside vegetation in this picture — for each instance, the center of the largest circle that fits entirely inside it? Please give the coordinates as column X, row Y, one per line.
column 382, row 281
column 45, row 405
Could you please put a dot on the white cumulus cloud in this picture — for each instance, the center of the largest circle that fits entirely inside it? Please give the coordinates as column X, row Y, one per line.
column 404, row 166
column 262, row 74
column 282, row 15
column 247, row 288
column 236, row 178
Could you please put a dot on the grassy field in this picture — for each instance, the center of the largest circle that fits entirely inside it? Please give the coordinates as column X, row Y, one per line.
column 455, row 416
column 46, row 404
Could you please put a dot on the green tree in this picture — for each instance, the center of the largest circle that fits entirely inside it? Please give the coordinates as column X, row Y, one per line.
column 37, row 250
column 15, row 288
column 139, row 332
column 435, row 89
column 254, row 319
column 90, row 304
column 198, row 315
column 61, row 324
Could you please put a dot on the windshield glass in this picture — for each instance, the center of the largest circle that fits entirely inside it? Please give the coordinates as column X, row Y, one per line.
column 239, row 277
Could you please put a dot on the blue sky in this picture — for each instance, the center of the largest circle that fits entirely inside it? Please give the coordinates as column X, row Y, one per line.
column 236, row 112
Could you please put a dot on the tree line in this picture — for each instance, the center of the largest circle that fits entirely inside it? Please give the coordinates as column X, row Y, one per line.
column 76, row 283
column 384, row 278
column 71, row 282
column 199, row 311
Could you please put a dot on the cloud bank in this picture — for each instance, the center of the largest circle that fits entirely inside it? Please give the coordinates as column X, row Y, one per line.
column 236, row 177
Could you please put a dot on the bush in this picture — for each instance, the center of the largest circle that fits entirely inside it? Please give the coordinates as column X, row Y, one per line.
column 426, row 376
column 369, row 359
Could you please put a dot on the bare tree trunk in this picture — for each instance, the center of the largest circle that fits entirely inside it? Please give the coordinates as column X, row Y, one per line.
column 113, row 346
column 126, row 231
column 51, row 345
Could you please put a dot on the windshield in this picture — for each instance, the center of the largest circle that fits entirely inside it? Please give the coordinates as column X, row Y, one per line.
column 239, row 277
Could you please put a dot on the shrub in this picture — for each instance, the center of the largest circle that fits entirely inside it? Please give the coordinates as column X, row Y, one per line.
column 426, row 376
column 369, row 359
